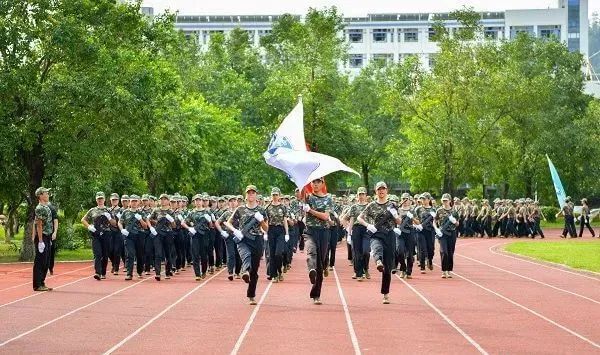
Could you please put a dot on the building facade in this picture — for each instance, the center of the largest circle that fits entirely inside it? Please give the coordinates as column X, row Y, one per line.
column 393, row 37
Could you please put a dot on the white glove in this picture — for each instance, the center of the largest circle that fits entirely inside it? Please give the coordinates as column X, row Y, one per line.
column 292, row 216
column 266, row 237
column 349, row 241
column 180, row 218
column 107, row 215
column 335, row 214
column 452, row 219
column 207, row 217
column 192, row 230
column 259, row 217
column 433, row 214
column 91, row 228
column 438, row 232
column 153, row 231
column 138, row 216
column 224, row 234
column 305, row 207
column 170, row 218
column 418, row 227
column 41, row 247
column 397, row 231
column 371, row 228
column 119, row 215
column 409, row 215
column 393, row 211
column 124, row 232
column 238, row 234
column 287, row 238
column 212, row 216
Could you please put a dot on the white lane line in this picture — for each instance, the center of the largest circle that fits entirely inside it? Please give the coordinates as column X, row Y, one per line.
column 70, row 313
column 47, row 278
column 240, row 340
column 347, row 313
column 572, row 332
column 543, row 265
column 15, row 271
column 137, row 331
column 529, row 278
column 445, row 317
column 40, row 293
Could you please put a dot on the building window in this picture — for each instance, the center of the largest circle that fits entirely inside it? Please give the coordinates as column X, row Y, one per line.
column 410, row 35
column 549, row 32
column 356, row 60
column 262, row 33
column 515, row 30
column 250, row 36
column 431, row 34
column 432, row 60
column 380, row 35
column 383, row 59
column 355, row 35
column 493, row 33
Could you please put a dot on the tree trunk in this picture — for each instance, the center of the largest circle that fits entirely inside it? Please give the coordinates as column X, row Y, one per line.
column 33, row 160
column 505, row 192
column 11, row 221
column 365, row 174
column 448, row 170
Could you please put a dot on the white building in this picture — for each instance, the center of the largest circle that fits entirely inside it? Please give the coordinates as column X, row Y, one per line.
column 392, row 37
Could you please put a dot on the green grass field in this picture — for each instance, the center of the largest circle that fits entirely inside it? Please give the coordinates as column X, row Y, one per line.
column 578, row 254
column 9, row 251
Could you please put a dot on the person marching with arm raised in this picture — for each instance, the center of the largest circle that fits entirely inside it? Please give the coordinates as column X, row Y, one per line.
column 447, row 220
column 98, row 221
column 132, row 225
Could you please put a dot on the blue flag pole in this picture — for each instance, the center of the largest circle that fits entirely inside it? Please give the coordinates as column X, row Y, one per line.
column 558, row 187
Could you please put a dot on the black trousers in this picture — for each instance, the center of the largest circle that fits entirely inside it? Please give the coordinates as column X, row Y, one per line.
column 447, row 245
column 496, row 228
column 360, row 249
column 250, row 253
column 301, row 229
column 426, row 240
column 163, row 245
column 333, row 240
column 316, row 243
column 570, row 227
column 53, row 255
column 234, row 263
column 101, row 249
column 40, row 263
column 211, row 247
column 277, row 246
column 116, row 249
column 134, row 246
column 200, row 253
column 582, row 225
column 218, row 247
column 149, row 252
column 405, row 250
column 383, row 246
column 179, row 238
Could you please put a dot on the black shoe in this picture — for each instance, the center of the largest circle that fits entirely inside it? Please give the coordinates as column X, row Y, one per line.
column 230, row 277
column 97, row 277
column 430, row 265
column 246, row 277
column 128, row 277
column 312, row 275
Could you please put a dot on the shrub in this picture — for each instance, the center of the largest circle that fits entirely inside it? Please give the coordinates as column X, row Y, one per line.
column 550, row 213
column 72, row 237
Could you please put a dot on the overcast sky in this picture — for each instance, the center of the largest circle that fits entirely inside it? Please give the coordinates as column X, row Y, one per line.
column 348, row 7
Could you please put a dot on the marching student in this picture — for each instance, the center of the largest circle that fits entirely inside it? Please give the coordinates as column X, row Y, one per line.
column 380, row 217
column 445, row 230
column 98, row 221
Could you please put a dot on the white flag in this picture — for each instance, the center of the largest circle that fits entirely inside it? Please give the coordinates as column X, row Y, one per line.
column 287, row 152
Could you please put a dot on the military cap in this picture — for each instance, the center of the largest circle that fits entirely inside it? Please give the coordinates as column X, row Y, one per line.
column 393, row 198
column 221, row 199
column 134, row 197
column 197, row 197
column 231, row 197
column 584, row 200
column 152, row 197
column 568, row 199
column 380, row 184
column 173, row 198
column 426, row 195
column 185, row 198
column 456, row 199
column 405, row 196
column 497, row 200
column 124, row 197
column 275, row 191
column 251, row 188
column 361, row 190
column 260, row 197
column 41, row 190
column 240, row 197
column 163, row 196
column 446, row 197
column 100, row 194
column 286, row 197
column 485, row 201
column 145, row 197
column 114, row 196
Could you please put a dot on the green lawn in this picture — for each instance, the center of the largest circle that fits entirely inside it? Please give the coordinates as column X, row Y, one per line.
column 560, row 223
column 578, row 254
column 9, row 251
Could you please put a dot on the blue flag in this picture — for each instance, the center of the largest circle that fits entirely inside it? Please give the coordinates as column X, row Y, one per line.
column 558, row 187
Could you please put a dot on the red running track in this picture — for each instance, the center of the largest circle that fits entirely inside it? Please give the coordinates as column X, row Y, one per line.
column 495, row 303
